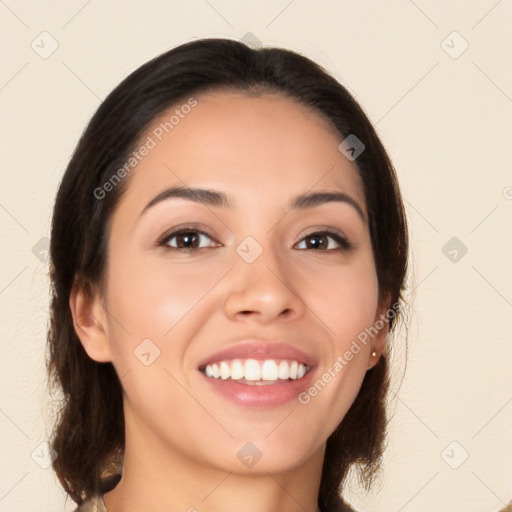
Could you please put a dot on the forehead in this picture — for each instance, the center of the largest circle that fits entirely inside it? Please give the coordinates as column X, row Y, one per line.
column 247, row 146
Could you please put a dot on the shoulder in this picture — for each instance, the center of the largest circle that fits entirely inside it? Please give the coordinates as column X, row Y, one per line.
column 95, row 503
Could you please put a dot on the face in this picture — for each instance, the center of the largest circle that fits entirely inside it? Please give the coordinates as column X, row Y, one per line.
column 219, row 301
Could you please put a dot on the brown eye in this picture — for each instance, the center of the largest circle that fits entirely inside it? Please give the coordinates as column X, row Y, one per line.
column 324, row 241
column 187, row 240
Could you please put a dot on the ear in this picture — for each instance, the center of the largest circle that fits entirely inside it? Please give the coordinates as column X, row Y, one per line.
column 90, row 321
column 381, row 323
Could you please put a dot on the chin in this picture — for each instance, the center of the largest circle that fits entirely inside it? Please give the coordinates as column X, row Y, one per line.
column 257, row 456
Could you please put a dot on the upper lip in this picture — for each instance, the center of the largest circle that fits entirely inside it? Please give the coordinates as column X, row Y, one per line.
column 260, row 350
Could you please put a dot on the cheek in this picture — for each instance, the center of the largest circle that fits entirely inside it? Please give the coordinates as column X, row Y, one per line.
column 344, row 298
column 150, row 297
column 352, row 312
column 346, row 301
column 153, row 313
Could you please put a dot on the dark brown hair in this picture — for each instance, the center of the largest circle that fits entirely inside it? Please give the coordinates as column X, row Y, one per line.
column 89, row 431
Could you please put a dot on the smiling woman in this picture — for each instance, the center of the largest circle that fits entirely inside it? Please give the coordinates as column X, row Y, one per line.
column 220, row 316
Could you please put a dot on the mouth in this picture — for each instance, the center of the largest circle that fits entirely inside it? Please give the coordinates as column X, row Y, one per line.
column 255, row 374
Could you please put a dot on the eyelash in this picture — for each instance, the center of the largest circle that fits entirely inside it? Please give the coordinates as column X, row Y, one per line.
column 344, row 244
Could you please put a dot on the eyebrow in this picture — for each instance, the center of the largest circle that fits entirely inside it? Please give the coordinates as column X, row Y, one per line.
column 219, row 199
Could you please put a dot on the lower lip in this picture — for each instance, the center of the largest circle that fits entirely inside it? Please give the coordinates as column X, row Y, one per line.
column 268, row 395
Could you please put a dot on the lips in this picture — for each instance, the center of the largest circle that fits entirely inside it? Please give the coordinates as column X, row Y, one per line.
column 255, row 349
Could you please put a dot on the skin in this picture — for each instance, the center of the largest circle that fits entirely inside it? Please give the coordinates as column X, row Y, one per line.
column 181, row 437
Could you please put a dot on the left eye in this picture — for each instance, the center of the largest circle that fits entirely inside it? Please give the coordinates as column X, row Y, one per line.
column 324, row 241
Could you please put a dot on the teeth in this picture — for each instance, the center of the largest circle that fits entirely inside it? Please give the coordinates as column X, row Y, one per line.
column 225, row 370
column 254, row 371
column 293, row 370
column 237, row 370
column 269, row 370
column 284, row 370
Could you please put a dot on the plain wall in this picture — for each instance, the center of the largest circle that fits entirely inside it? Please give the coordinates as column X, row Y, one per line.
column 446, row 121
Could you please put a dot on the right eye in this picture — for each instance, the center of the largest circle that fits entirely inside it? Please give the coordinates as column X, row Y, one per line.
column 187, row 240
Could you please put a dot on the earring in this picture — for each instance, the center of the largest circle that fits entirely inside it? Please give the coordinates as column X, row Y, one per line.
column 374, row 354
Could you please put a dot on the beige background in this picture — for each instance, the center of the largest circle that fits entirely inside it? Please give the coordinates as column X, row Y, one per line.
column 446, row 122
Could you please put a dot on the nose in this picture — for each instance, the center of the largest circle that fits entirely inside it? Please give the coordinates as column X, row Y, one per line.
column 263, row 291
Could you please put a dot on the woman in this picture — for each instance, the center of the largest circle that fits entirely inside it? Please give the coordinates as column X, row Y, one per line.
column 228, row 255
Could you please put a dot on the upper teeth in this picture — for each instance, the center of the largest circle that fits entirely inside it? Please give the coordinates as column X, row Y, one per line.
column 252, row 369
